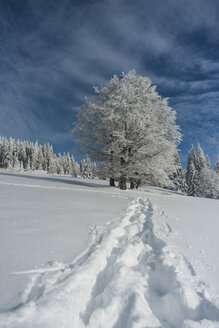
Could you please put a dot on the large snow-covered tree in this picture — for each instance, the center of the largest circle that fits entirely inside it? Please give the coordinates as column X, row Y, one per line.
column 129, row 129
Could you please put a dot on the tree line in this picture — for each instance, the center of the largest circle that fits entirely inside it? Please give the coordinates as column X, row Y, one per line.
column 197, row 180
column 24, row 155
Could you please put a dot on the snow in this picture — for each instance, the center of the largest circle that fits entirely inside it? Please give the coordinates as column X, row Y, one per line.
column 45, row 219
column 76, row 253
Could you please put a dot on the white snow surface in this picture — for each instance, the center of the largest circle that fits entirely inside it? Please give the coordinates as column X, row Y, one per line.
column 76, row 253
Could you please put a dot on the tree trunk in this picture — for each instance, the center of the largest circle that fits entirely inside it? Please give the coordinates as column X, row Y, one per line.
column 112, row 182
column 122, row 182
column 122, row 179
column 132, row 184
column 111, row 171
column 137, row 185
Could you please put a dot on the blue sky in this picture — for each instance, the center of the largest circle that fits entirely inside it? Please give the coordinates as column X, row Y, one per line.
column 54, row 51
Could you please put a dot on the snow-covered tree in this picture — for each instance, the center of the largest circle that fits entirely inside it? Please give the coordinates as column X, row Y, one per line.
column 208, row 162
column 49, row 156
column 216, row 170
column 87, row 168
column 67, row 164
column 178, row 176
column 16, row 164
column 60, row 169
column 209, row 183
column 75, row 167
column 201, row 179
column 130, row 128
column 216, row 167
column 192, row 178
column 52, row 169
column 201, row 161
column 25, row 155
column 33, row 154
column 40, row 159
column 4, row 150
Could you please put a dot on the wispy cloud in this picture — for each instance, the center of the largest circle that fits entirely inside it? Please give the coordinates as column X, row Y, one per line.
column 54, row 52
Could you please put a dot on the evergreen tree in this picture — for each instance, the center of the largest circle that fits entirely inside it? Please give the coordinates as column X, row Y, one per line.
column 60, row 169
column 50, row 156
column 16, row 164
column 192, row 176
column 24, row 155
column 68, row 164
column 40, row 159
column 45, row 157
column 52, row 169
column 75, row 168
column 209, row 183
column 4, row 159
column 86, row 168
column 201, row 179
column 193, row 181
column 35, row 156
column 208, row 162
column 178, row 176
column 216, row 167
column 9, row 154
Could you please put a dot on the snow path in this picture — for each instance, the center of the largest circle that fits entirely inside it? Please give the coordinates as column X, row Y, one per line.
column 128, row 277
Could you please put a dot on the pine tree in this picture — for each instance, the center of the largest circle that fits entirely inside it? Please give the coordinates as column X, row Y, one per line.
column 178, row 176
column 40, row 159
column 191, row 160
column 60, row 169
column 216, row 167
column 52, row 169
column 50, row 156
column 68, row 164
column 45, row 157
column 24, row 155
column 86, row 168
column 209, row 183
column 16, row 164
column 207, row 178
column 35, row 156
column 9, row 154
column 201, row 179
column 208, row 162
column 192, row 175
column 75, row 168
column 5, row 146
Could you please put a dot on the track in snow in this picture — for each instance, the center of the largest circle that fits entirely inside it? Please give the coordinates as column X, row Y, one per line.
column 128, row 277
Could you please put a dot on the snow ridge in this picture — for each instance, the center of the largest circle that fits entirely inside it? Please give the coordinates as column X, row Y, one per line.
column 129, row 277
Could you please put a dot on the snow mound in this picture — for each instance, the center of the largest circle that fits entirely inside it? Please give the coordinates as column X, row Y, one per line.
column 128, row 277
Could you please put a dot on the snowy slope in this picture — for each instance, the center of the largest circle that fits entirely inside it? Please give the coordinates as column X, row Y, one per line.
column 45, row 219
column 156, row 265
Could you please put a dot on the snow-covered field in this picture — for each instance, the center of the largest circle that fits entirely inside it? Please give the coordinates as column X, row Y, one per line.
column 77, row 253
